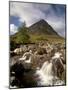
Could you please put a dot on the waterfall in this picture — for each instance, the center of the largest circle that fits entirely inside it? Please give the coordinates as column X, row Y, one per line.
column 47, row 68
column 46, row 76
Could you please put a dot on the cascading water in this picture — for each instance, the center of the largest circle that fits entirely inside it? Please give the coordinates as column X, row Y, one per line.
column 47, row 76
column 48, row 68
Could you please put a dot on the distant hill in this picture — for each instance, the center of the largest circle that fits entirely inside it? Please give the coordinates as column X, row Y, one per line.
column 40, row 31
column 42, row 27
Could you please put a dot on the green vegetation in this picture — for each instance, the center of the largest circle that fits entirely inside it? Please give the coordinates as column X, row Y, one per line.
column 46, row 38
column 21, row 37
column 12, row 44
column 40, row 31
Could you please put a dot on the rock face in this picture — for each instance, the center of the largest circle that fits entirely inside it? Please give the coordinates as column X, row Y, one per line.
column 42, row 27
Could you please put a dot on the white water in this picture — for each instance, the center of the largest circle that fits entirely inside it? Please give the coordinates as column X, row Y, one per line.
column 29, row 60
column 46, row 75
column 26, row 57
column 47, row 68
column 56, row 55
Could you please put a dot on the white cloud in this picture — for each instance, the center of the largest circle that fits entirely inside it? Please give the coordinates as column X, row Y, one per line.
column 26, row 11
column 58, row 24
column 32, row 12
column 13, row 29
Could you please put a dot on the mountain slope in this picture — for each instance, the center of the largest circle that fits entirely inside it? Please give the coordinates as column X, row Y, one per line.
column 42, row 27
column 40, row 31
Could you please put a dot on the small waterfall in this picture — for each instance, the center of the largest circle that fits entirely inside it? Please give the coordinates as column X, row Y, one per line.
column 47, row 76
column 47, row 68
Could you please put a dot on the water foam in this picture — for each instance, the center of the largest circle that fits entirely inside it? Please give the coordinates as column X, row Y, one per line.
column 46, row 76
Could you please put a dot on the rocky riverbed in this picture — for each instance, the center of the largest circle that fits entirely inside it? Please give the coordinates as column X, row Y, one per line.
column 27, row 60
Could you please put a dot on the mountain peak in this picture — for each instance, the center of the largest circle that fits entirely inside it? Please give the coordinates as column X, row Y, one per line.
column 42, row 21
column 42, row 27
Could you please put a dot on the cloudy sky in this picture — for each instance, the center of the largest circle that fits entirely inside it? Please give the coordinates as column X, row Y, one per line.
column 54, row 14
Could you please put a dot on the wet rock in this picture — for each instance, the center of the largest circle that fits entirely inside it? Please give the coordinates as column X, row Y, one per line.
column 24, row 72
column 22, row 77
column 41, row 51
